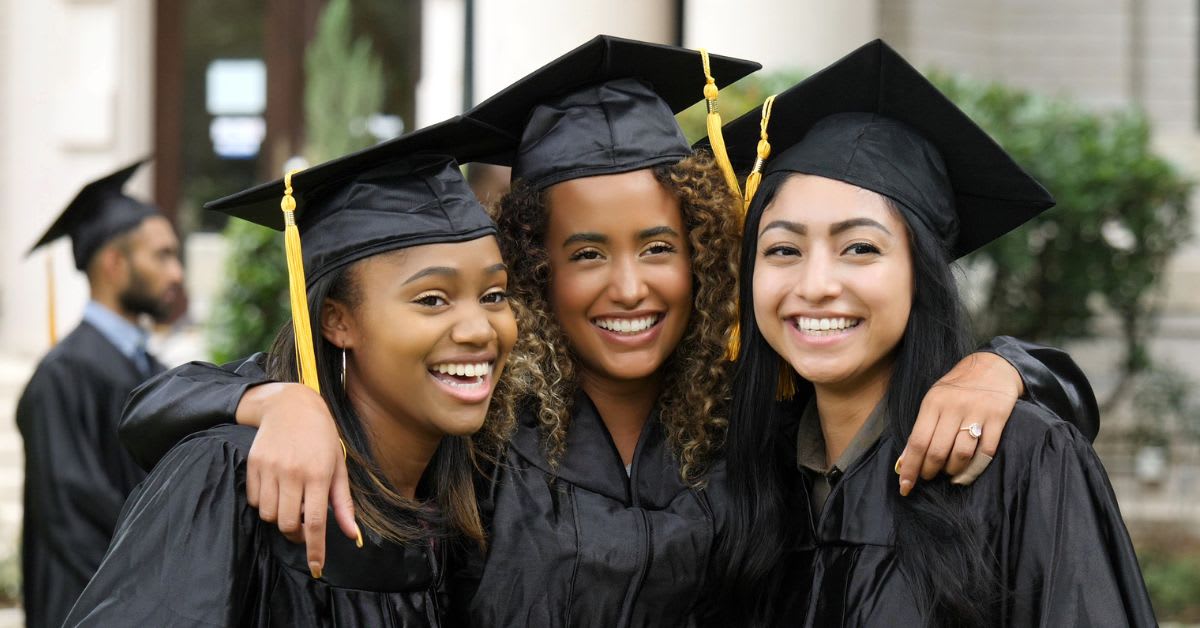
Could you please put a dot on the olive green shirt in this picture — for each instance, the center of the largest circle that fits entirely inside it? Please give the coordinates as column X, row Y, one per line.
column 811, row 457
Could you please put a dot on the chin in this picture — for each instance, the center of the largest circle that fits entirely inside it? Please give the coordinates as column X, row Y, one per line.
column 462, row 424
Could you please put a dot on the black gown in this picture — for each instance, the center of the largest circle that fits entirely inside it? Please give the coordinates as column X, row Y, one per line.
column 77, row 474
column 190, row 551
column 1063, row 555
column 596, row 547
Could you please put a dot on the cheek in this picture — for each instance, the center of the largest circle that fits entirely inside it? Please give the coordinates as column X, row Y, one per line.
column 770, row 287
column 893, row 294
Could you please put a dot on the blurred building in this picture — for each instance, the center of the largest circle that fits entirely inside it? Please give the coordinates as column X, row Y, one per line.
column 214, row 89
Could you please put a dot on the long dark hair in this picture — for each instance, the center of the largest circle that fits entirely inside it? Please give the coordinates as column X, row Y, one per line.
column 937, row 543
column 445, row 505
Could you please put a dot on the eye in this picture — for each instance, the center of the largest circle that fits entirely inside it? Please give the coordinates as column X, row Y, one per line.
column 585, row 254
column 862, row 248
column 431, row 300
column 781, row 250
column 658, row 248
column 494, row 297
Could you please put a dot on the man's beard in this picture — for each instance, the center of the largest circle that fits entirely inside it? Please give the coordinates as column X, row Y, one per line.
column 138, row 299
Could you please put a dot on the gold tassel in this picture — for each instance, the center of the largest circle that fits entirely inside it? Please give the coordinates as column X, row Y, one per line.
column 51, row 309
column 715, row 138
column 306, row 361
column 764, row 151
column 786, row 389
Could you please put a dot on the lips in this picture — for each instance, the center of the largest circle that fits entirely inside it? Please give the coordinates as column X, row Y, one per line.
column 825, row 326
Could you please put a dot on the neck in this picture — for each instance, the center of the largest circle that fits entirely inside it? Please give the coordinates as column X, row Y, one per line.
column 845, row 406
column 624, row 406
column 401, row 449
column 109, row 299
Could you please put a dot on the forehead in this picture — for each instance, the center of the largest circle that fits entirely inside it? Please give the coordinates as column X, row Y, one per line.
column 814, row 200
column 625, row 202
column 478, row 253
column 155, row 231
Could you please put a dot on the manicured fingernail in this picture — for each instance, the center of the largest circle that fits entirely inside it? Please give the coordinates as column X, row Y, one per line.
column 897, row 467
column 905, row 487
column 315, row 568
column 358, row 542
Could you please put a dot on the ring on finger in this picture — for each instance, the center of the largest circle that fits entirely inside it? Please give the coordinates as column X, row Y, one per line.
column 973, row 430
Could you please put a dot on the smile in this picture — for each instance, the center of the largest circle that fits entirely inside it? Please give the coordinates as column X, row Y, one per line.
column 467, row 381
column 628, row 326
column 824, row 326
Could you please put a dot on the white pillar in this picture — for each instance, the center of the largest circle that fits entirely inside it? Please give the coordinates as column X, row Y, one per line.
column 76, row 82
column 781, row 35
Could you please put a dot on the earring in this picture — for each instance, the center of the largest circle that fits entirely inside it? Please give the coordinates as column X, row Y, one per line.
column 343, row 369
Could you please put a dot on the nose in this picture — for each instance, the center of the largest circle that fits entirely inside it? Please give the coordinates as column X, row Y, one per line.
column 818, row 281
column 626, row 285
column 474, row 328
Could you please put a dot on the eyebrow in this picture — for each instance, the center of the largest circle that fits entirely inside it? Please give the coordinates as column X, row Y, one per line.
column 646, row 234
column 432, row 270
column 834, row 229
column 594, row 238
column 497, row 268
column 845, row 225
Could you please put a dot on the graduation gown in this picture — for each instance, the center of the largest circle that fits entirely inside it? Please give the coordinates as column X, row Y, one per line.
column 1050, row 520
column 77, row 475
column 189, row 551
column 593, row 548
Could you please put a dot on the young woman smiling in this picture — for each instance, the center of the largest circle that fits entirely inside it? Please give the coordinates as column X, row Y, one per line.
column 622, row 246
column 877, row 189
column 413, row 329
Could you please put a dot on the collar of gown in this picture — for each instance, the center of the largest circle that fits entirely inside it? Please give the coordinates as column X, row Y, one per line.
column 591, row 460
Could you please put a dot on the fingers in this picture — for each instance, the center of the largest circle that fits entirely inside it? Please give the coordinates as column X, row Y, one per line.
column 252, row 482
column 940, row 445
column 315, row 510
column 343, row 504
column 978, row 465
column 961, row 452
column 913, row 458
column 291, row 498
column 268, row 500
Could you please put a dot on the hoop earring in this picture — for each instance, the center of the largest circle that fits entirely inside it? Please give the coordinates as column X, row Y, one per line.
column 343, row 369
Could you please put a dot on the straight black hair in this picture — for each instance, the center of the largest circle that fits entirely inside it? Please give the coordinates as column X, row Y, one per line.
column 937, row 544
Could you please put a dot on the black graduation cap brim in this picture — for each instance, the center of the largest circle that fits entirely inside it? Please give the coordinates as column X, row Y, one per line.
column 459, row 138
column 675, row 74
column 99, row 212
column 992, row 193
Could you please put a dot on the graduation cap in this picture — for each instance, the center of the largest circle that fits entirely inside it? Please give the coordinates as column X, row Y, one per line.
column 605, row 107
column 405, row 192
column 97, row 214
column 872, row 120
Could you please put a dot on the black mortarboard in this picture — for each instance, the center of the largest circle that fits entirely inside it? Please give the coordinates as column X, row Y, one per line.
column 605, row 107
column 99, row 213
column 404, row 192
column 874, row 121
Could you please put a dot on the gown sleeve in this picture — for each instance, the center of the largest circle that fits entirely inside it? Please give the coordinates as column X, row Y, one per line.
column 1052, row 380
column 181, row 548
column 184, row 400
column 1068, row 556
column 68, row 482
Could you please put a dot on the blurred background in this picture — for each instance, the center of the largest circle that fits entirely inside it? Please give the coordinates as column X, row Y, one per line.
column 1100, row 99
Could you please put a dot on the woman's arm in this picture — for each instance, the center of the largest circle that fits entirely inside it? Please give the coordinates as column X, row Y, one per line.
column 982, row 389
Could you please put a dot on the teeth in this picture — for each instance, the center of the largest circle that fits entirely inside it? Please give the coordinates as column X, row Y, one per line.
column 825, row 324
column 627, row 325
column 476, row 369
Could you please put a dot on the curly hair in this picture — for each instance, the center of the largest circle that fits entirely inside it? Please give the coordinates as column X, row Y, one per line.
column 542, row 367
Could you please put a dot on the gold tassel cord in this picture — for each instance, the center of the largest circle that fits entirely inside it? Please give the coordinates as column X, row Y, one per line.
column 713, row 121
column 306, row 361
column 752, row 181
column 51, row 303
column 764, row 151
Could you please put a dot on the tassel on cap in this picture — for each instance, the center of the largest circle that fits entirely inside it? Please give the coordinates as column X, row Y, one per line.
column 752, row 181
column 306, row 361
column 713, row 121
column 51, row 309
